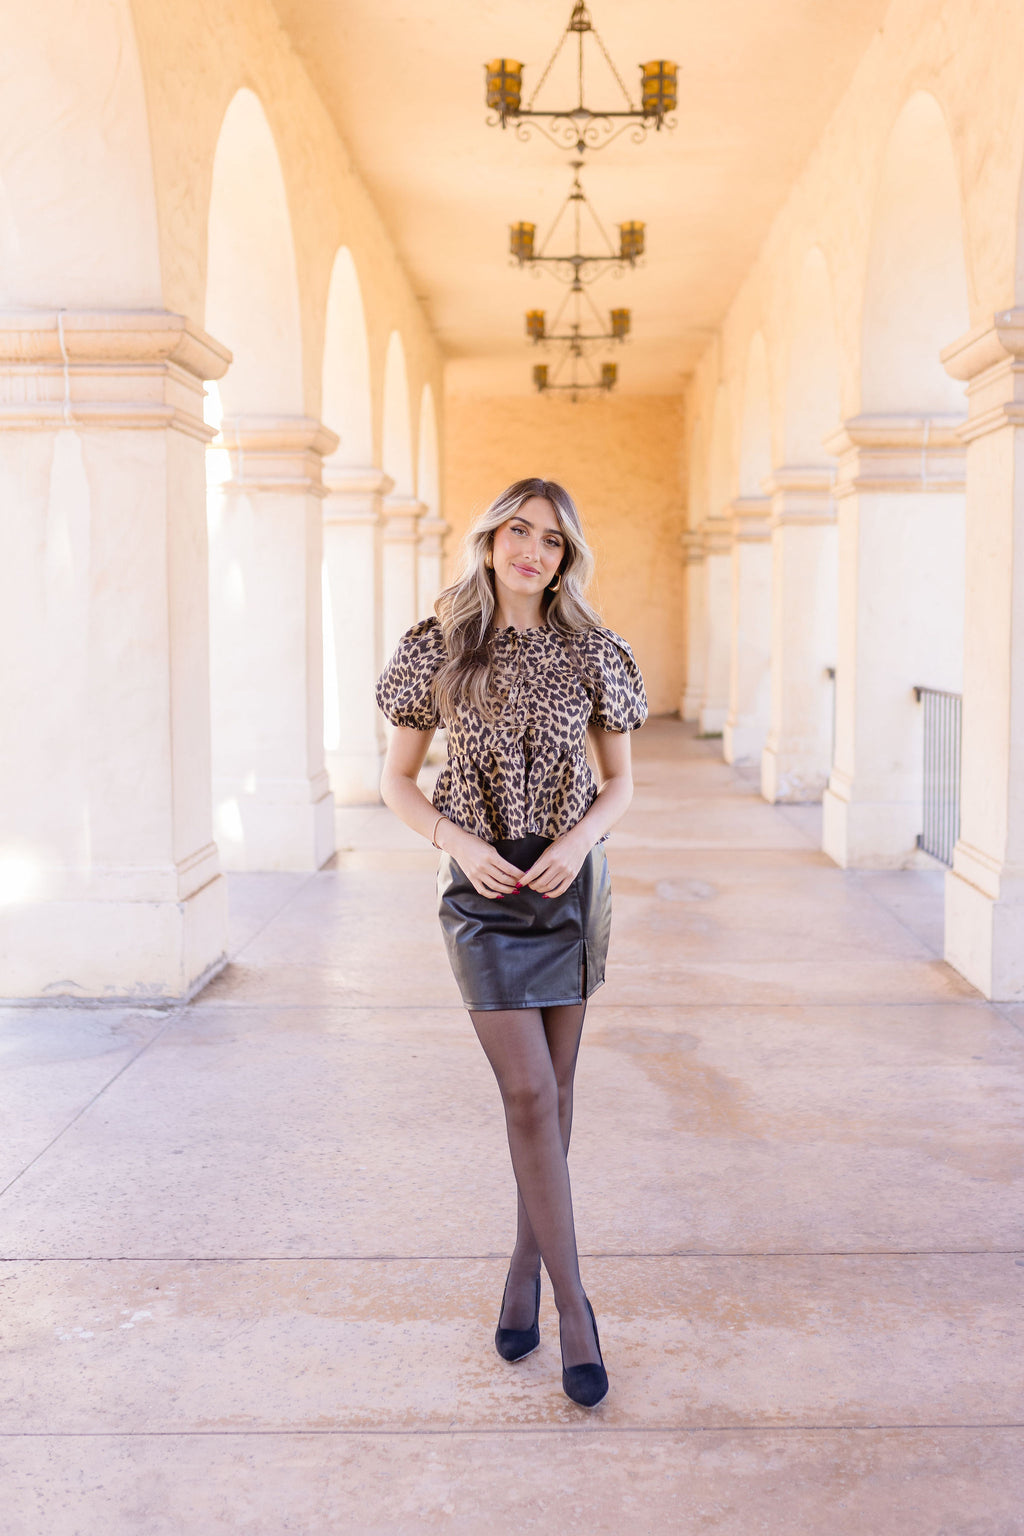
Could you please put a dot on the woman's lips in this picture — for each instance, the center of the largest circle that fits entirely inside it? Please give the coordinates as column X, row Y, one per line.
column 527, row 570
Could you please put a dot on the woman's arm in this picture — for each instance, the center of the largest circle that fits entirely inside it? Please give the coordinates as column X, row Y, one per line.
column 407, row 750
column 559, row 864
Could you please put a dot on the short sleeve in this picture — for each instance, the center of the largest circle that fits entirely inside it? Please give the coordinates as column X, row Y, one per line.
column 404, row 690
column 616, row 686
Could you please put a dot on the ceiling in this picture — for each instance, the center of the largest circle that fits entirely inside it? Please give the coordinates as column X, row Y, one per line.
column 403, row 79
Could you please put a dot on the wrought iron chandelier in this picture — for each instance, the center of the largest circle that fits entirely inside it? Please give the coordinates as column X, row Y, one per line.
column 582, row 378
column 581, row 126
column 577, row 266
column 619, row 322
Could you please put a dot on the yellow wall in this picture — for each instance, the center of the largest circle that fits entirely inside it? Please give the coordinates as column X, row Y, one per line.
column 621, row 460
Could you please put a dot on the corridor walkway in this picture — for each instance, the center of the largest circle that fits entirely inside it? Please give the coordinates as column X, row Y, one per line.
column 253, row 1248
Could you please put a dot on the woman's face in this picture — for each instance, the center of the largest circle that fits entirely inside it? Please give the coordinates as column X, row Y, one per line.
column 528, row 549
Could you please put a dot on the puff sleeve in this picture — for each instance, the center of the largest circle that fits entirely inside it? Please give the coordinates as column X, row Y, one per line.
column 404, row 687
column 616, row 686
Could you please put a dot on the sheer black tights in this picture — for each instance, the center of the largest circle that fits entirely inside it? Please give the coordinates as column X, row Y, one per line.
column 533, row 1054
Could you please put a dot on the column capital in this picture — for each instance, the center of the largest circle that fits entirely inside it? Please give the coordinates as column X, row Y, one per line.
column 353, row 494
column 990, row 359
column 801, row 494
column 432, row 530
column 276, row 453
column 401, row 518
column 749, row 519
column 105, row 370
column 716, row 534
column 903, row 454
column 692, row 541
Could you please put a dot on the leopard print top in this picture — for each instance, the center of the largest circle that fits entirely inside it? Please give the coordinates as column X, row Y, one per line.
column 527, row 771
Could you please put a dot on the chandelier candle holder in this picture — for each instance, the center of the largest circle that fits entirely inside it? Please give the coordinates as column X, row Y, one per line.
column 618, row 327
column 577, row 266
column 574, row 375
column 582, row 126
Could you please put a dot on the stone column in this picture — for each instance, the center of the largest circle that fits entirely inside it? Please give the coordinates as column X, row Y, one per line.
column 985, row 888
column 797, row 755
column 714, row 702
column 401, row 596
column 110, row 883
column 353, row 528
column 273, row 807
column 899, row 489
column 429, row 562
column 693, row 576
column 750, row 649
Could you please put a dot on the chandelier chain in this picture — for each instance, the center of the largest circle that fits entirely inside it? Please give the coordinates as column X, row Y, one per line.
column 608, row 60
column 547, row 70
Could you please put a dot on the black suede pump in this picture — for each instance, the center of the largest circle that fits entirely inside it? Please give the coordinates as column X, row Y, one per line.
column 516, row 1343
column 586, row 1384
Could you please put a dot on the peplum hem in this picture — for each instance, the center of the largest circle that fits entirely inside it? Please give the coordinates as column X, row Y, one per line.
column 510, row 794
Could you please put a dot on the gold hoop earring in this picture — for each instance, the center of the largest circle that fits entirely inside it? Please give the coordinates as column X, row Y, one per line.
column 489, row 561
column 557, row 585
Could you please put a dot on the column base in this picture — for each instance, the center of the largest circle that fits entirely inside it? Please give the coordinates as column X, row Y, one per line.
column 689, row 709
column 260, row 833
column 985, row 939
column 355, row 777
column 711, row 719
column 741, row 742
column 145, row 953
column 870, row 834
column 792, row 778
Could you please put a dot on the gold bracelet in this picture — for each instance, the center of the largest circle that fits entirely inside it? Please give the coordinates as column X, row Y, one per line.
column 433, row 835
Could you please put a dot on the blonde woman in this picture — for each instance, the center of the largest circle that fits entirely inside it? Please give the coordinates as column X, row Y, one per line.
column 519, row 669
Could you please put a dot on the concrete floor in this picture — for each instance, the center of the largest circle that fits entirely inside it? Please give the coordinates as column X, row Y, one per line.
column 253, row 1249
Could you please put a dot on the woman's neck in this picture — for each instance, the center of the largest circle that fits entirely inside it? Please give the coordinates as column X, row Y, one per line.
column 519, row 613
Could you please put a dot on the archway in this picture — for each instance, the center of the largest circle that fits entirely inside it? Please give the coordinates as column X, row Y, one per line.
column 797, row 757
column 901, row 510
column 693, row 558
column 272, row 807
column 352, row 563
column 428, row 489
column 750, row 630
column 717, row 579
column 402, row 508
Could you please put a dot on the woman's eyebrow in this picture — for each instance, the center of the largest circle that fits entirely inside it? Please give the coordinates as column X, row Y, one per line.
column 520, row 519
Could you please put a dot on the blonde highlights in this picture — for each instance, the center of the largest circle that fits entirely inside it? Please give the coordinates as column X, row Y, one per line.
column 467, row 608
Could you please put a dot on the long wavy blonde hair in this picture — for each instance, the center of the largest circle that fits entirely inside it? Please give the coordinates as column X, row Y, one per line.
column 467, row 608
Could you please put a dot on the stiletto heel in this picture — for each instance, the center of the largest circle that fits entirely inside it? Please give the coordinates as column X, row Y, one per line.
column 586, row 1384
column 517, row 1343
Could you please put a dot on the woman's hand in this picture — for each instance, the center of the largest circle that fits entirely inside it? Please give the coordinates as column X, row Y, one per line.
column 559, row 864
column 488, row 873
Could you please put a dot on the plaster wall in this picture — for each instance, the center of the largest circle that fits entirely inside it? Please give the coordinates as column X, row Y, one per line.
column 620, row 459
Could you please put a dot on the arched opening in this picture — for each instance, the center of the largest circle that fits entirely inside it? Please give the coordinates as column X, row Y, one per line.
column 797, row 757
column 352, row 556
column 270, row 806
column 901, row 503
column 401, row 508
column 915, row 299
column 428, row 490
column 397, row 429
column 252, row 291
column 693, row 556
column 811, row 399
column 750, row 640
column 347, row 397
column 756, row 422
column 717, row 583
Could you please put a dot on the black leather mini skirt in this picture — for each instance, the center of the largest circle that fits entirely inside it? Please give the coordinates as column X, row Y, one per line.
column 525, row 951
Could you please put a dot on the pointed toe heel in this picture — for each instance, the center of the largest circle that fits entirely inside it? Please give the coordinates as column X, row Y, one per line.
column 586, row 1384
column 516, row 1343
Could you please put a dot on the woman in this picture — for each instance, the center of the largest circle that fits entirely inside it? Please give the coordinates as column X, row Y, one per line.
column 518, row 667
